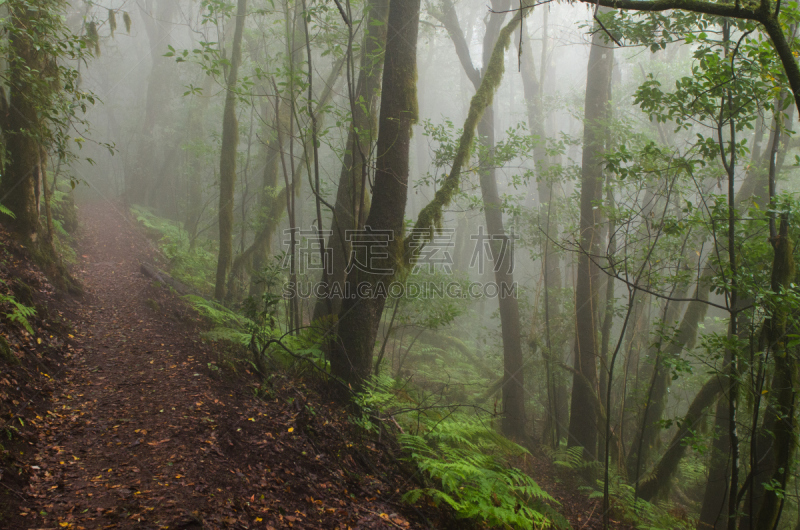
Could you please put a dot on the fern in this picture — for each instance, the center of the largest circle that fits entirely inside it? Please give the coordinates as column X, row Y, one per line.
column 7, row 212
column 637, row 512
column 468, row 465
column 193, row 266
column 572, row 458
column 19, row 313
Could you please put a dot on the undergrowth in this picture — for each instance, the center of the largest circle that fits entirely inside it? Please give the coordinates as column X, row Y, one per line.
column 641, row 514
column 16, row 311
column 625, row 506
column 465, row 462
column 190, row 262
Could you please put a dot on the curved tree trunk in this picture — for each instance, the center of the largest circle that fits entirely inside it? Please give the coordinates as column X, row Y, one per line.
column 659, row 479
column 513, row 375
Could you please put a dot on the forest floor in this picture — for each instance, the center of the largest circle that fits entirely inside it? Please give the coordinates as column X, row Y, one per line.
column 143, row 429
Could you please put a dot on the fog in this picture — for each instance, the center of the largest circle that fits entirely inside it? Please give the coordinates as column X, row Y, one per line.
column 645, row 275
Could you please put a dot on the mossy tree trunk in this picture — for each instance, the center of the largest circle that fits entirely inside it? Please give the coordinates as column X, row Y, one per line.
column 359, row 317
column 227, row 163
column 583, row 421
column 514, row 380
column 21, row 179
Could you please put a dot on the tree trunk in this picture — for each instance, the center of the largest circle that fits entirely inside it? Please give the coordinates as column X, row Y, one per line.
column 779, row 417
column 646, row 439
column 583, row 421
column 348, row 214
column 548, row 225
column 194, row 164
column 514, row 420
column 273, row 205
column 21, row 179
column 227, row 162
column 359, row 318
column 659, row 479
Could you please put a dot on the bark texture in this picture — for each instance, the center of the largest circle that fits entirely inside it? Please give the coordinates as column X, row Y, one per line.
column 350, row 195
column 359, row 318
column 21, row 180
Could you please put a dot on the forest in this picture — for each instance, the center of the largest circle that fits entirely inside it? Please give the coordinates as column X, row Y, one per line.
column 512, row 248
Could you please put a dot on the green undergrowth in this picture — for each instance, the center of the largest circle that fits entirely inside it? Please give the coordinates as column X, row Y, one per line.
column 14, row 310
column 64, row 224
column 465, row 463
column 192, row 264
column 260, row 343
column 625, row 506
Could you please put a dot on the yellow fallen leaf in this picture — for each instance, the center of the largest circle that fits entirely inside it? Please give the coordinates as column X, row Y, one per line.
column 259, row 519
column 250, row 419
column 38, row 340
column 291, row 429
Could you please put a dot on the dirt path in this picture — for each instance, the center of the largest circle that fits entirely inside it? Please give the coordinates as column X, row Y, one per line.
column 143, row 434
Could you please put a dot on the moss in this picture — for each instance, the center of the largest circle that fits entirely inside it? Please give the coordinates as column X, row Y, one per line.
column 430, row 217
column 152, row 304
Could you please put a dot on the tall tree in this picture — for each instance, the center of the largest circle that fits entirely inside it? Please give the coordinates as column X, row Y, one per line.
column 359, row 317
column 583, row 421
column 227, row 162
column 23, row 129
column 533, row 88
column 351, row 200
column 141, row 173
column 780, row 413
